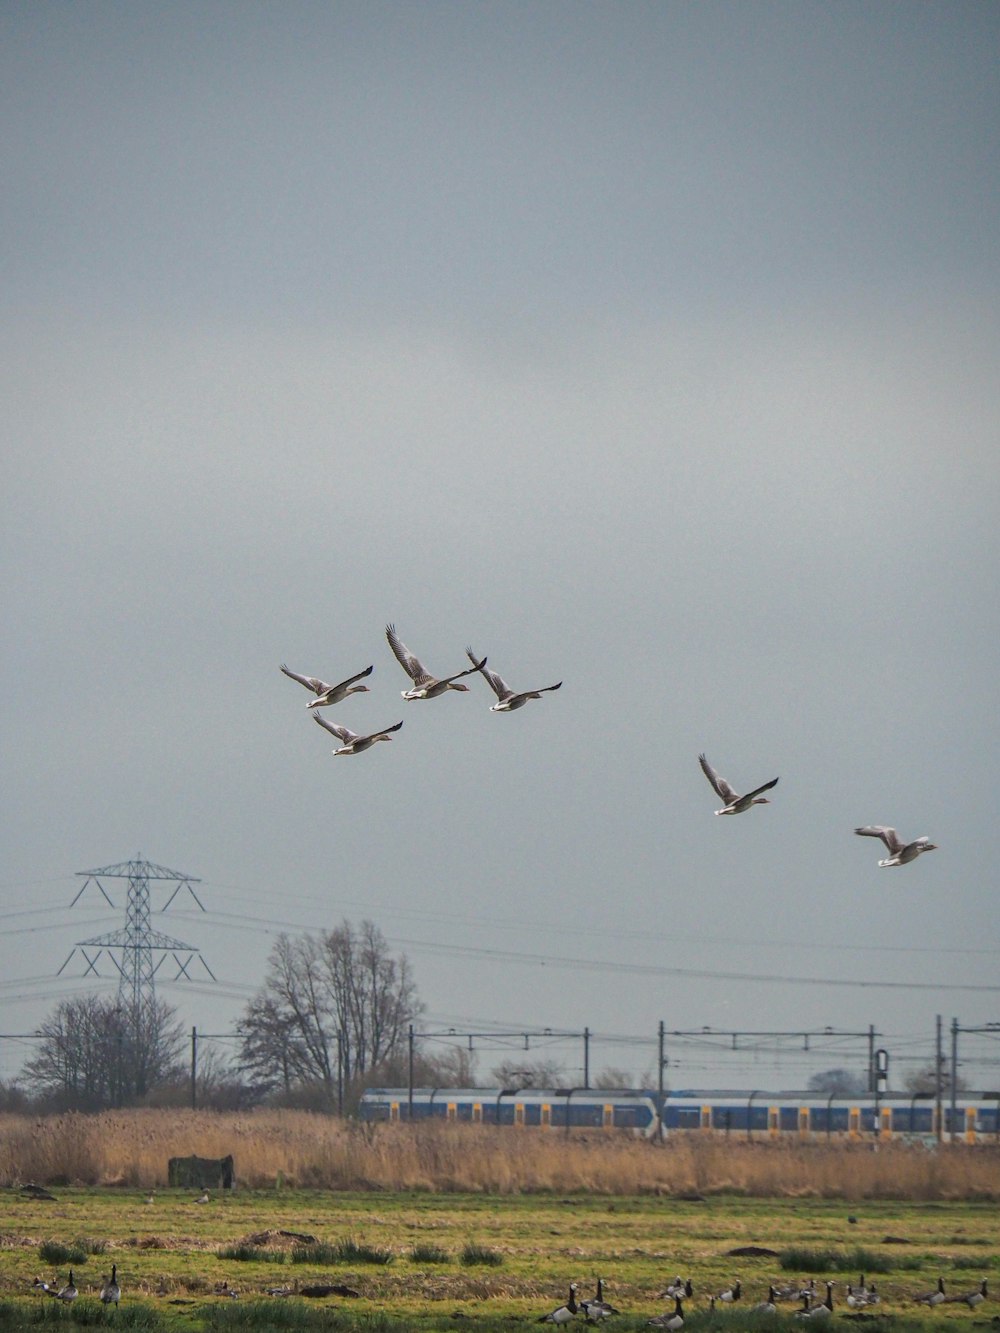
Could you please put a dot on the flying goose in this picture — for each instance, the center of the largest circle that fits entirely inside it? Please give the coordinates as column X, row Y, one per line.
column 111, row 1292
column 67, row 1293
column 933, row 1297
column 674, row 1320
column 900, row 852
column 329, row 694
column 597, row 1308
column 425, row 686
column 562, row 1314
column 352, row 742
column 507, row 699
column 735, row 804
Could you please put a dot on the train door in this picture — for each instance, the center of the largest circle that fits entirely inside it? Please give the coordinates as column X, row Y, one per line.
column 706, row 1117
column 452, row 1112
column 546, row 1115
column 803, row 1120
column 854, row 1122
column 477, row 1113
column 970, row 1124
column 773, row 1120
column 394, row 1110
column 885, row 1122
column 519, row 1113
column 608, row 1116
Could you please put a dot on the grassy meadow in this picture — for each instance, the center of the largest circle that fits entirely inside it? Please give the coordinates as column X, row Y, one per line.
column 439, row 1225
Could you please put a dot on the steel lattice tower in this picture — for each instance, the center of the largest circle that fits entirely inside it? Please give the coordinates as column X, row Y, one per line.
column 137, row 941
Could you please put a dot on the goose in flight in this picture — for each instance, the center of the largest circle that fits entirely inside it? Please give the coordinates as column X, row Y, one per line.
column 900, row 852
column 329, row 694
column 425, row 686
column 735, row 804
column 352, row 742
column 507, row 699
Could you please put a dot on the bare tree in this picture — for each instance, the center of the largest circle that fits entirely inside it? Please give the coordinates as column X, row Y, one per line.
column 838, row 1083
column 924, row 1080
column 332, row 1007
column 90, row 1057
column 531, row 1074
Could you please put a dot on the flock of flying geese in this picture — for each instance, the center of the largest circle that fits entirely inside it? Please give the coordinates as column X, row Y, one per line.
column 811, row 1306
column 426, row 686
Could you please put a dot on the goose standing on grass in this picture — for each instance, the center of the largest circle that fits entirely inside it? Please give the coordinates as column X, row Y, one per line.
column 766, row 1307
column 821, row 1311
column 597, row 1308
column 562, row 1314
column 679, row 1287
column 425, row 686
column 735, row 804
column 69, row 1292
column 674, row 1320
column 352, row 742
column 971, row 1298
column 900, row 852
column 730, row 1294
column 330, row 694
column 932, row 1297
column 111, row 1292
column 507, row 699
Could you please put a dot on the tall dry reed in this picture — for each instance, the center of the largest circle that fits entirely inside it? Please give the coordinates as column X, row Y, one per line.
column 300, row 1148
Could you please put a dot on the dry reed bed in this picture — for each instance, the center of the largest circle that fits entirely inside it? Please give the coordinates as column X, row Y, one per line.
column 299, row 1148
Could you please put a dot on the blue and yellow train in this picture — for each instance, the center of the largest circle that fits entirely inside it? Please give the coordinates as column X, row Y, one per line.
column 649, row 1114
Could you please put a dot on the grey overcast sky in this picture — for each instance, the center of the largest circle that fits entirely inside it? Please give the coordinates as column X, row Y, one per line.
column 651, row 347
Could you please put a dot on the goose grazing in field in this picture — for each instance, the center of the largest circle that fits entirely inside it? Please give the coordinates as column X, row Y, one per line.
column 735, row 804
column 69, row 1292
column 674, row 1320
column 900, row 852
column 330, row 694
column 425, row 686
column 562, row 1314
column 730, row 1294
column 40, row 1284
column 352, row 742
column 111, row 1292
column 507, row 699
column 933, row 1297
column 597, row 1308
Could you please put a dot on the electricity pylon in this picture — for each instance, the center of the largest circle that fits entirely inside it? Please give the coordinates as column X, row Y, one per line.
column 136, row 942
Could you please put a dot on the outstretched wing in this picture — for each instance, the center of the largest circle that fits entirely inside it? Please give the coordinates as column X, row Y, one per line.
column 310, row 682
column 496, row 683
column 385, row 730
column 722, row 787
column 766, row 787
column 412, row 665
column 360, row 676
column 888, row 835
column 335, row 729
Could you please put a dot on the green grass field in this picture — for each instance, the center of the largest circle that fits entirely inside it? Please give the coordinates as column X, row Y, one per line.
column 430, row 1262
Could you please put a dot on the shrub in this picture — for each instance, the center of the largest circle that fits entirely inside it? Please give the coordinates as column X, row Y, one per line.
column 481, row 1254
